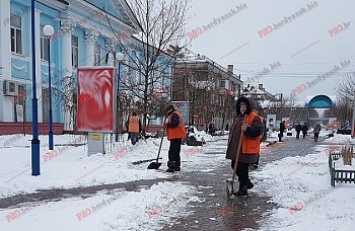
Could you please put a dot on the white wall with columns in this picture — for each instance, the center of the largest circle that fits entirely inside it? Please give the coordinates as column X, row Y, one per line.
column 6, row 102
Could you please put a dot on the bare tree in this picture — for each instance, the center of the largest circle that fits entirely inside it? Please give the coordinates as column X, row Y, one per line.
column 343, row 110
column 148, row 64
column 347, row 86
column 345, row 101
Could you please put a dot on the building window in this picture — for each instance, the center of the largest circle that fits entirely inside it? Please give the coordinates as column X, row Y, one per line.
column 75, row 51
column 16, row 34
column 97, row 55
column 44, row 46
column 222, row 83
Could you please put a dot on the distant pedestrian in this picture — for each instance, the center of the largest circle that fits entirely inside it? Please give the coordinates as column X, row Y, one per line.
column 298, row 130
column 316, row 132
column 282, row 130
column 211, row 129
column 304, row 130
column 134, row 128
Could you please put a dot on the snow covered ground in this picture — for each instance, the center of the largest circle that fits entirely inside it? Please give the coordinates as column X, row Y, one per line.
column 299, row 185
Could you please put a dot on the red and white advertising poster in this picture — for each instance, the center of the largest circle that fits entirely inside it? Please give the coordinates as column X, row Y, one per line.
column 96, row 99
column 183, row 108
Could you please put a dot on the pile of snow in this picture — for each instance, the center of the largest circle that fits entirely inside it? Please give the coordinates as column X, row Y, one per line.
column 300, row 186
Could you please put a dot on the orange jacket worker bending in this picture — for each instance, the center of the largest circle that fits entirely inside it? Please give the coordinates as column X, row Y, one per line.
column 175, row 133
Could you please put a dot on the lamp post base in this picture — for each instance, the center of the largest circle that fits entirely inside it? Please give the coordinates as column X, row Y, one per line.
column 35, row 148
column 116, row 137
column 51, row 143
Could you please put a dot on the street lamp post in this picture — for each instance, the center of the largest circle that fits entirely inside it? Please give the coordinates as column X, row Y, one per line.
column 48, row 31
column 35, row 142
column 118, row 58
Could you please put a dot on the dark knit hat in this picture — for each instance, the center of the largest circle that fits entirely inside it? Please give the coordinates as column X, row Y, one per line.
column 169, row 107
column 246, row 102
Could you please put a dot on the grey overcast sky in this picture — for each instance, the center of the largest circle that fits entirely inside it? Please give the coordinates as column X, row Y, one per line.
column 299, row 47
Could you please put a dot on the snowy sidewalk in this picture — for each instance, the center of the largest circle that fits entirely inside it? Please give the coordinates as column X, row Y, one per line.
column 213, row 211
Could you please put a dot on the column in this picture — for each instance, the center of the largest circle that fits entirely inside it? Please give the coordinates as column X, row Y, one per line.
column 111, row 46
column 67, row 27
column 6, row 102
column 90, row 39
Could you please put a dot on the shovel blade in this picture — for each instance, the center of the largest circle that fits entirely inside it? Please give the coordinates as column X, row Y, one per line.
column 154, row 165
column 230, row 185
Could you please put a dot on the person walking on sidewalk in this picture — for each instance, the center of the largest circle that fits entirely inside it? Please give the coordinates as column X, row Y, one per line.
column 316, row 132
column 298, row 130
column 282, row 130
column 250, row 146
column 175, row 133
column 304, row 130
column 134, row 128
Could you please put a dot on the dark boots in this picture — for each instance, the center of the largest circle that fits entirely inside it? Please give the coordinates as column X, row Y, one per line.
column 243, row 191
column 173, row 166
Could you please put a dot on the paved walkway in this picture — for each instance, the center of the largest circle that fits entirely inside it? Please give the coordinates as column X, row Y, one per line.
column 218, row 213
column 214, row 212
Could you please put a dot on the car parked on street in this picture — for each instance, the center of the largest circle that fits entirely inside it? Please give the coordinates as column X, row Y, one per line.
column 346, row 130
column 192, row 138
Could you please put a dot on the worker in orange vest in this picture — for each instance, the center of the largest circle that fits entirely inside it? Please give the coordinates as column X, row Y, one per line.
column 175, row 133
column 250, row 125
column 134, row 127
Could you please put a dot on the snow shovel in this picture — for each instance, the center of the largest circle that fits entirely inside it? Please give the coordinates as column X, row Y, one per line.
column 156, row 164
column 230, row 182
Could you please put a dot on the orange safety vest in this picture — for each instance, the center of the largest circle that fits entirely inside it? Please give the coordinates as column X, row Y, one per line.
column 177, row 132
column 251, row 145
column 133, row 125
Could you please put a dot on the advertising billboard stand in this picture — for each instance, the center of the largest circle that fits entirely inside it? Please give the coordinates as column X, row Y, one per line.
column 183, row 108
column 96, row 105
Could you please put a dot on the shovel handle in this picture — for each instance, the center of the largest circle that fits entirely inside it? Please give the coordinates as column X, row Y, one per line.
column 238, row 150
column 161, row 142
